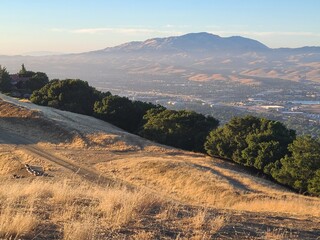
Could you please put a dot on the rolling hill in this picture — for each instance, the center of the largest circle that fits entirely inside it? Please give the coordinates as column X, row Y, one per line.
column 203, row 42
column 102, row 181
column 179, row 58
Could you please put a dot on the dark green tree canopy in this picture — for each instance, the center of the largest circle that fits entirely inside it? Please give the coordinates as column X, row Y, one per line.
column 71, row 94
column 300, row 168
column 23, row 70
column 5, row 80
column 35, row 82
column 24, row 73
column 122, row 112
column 116, row 110
column 182, row 129
column 251, row 141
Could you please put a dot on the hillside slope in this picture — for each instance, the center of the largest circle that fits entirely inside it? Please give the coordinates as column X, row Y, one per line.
column 65, row 145
column 202, row 42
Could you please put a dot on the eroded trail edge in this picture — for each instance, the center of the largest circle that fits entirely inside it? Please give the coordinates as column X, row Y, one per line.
column 27, row 145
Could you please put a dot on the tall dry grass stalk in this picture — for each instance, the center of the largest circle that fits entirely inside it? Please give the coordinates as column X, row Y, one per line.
column 84, row 229
column 120, row 207
column 82, row 211
column 200, row 219
column 192, row 184
column 177, row 179
column 16, row 210
column 294, row 205
column 79, row 208
column 144, row 235
column 217, row 223
column 279, row 234
column 15, row 224
column 205, row 225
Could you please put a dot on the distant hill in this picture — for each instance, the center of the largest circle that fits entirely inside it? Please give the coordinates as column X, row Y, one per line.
column 41, row 53
column 197, row 57
column 192, row 42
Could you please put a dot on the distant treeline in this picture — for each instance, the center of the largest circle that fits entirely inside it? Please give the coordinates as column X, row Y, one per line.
column 265, row 145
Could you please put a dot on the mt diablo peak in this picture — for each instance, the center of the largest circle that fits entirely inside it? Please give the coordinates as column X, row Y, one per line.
column 193, row 42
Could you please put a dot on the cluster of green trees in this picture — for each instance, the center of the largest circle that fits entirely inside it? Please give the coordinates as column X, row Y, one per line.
column 122, row 112
column 271, row 148
column 265, row 145
column 34, row 81
column 5, row 82
column 182, row 129
column 71, row 95
column 300, row 168
column 250, row 141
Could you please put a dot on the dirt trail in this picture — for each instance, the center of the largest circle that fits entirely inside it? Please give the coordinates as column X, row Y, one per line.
column 93, row 133
column 90, row 175
column 68, row 144
column 123, row 158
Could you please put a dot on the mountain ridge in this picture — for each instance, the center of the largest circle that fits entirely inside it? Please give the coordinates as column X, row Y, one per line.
column 191, row 42
column 200, row 42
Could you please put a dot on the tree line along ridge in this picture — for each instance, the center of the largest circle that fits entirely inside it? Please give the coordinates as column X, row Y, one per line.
column 266, row 146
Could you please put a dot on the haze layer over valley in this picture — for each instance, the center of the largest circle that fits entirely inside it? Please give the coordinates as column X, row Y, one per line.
column 200, row 71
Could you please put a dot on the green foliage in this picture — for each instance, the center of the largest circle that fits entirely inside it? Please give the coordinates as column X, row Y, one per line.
column 314, row 183
column 182, row 129
column 141, row 108
column 122, row 112
column 5, row 80
column 71, row 95
column 250, row 141
column 24, row 73
column 35, row 82
column 23, row 70
column 256, row 142
column 300, row 169
column 116, row 110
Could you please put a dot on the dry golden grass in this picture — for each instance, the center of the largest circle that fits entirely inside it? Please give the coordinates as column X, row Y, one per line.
column 83, row 211
column 8, row 162
column 119, row 207
column 205, row 225
column 15, row 224
column 11, row 110
column 178, row 179
column 202, row 183
column 144, row 235
column 83, row 229
column 279, row 234
column 181, row 195
column 301, row 206
column 199, row 219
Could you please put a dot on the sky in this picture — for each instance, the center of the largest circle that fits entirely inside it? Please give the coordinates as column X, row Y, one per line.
column 67, row 26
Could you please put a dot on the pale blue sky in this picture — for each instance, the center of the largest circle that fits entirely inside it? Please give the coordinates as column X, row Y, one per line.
column 79, row 25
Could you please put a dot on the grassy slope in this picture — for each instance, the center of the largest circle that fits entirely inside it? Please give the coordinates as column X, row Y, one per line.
column 179, row 194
